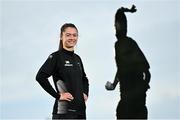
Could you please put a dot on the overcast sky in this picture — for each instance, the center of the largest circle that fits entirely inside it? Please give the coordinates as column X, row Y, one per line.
column 30, row 32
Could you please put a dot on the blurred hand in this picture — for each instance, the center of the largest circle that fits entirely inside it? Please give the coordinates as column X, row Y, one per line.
column 109, row 86
column 146, row 78
column 85, row 97
column 66, row 96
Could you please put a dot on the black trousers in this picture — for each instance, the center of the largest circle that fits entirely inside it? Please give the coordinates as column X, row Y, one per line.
column 69, row 115
column 131, row 111
column 133, row 97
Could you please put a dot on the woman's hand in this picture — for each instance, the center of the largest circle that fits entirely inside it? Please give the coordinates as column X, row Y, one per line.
column 66, row 96
column 85, row 97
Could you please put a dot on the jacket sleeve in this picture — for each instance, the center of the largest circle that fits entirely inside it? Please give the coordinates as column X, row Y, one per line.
column 85, row 81
column 47, row 69
column 116, row 80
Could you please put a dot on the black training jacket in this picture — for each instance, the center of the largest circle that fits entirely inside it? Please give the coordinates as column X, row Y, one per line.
column 129, row 56
column 65, row 66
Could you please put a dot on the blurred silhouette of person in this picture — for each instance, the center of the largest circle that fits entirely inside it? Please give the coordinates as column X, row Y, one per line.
column 132, row 72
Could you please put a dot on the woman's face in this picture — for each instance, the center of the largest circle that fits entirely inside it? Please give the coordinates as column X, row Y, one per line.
column 69, row 38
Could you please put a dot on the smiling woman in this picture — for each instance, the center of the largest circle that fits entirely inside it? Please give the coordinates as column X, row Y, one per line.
column 68, row 36
column 69, row 77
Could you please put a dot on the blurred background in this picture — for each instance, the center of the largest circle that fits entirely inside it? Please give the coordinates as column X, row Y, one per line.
column 30, row 32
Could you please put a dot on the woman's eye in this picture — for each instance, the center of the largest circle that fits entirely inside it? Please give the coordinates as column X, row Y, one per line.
column 74, row 35
column 67, row 35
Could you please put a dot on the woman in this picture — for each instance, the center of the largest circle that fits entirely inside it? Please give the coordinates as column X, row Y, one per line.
column 69, row 78
column 132, row 72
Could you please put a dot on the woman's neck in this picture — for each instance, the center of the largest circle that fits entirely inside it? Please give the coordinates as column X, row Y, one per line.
column 69, row 49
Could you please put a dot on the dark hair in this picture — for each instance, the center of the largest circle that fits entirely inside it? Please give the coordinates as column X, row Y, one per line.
column 121, row 20
column 63, row 28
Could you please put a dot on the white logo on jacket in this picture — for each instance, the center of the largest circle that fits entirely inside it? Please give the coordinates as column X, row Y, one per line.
column 67, row 63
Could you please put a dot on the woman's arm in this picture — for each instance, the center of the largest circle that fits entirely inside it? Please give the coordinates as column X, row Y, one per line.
column 44, row 73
